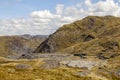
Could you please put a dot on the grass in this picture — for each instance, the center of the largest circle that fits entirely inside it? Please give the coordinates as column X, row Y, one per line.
column 8, row 71
column 58, row 74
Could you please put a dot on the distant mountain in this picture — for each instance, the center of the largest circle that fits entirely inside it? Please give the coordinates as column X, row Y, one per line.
column 91, row 35
column 27, row 36
column 19, row 44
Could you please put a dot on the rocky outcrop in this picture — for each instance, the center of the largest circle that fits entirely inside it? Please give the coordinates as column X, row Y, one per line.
column 82, row 64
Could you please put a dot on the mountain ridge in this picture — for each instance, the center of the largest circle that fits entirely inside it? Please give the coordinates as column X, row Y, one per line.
column 19, row 44
column 83, row 31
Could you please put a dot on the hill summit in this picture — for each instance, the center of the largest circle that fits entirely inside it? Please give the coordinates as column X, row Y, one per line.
column 92, row 34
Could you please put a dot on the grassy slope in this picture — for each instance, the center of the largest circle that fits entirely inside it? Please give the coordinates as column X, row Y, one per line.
column 105, row 33
column 95, row 46
column 78, row 34
column 10, row 71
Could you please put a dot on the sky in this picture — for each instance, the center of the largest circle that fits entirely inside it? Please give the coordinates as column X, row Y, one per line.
column 44, row 17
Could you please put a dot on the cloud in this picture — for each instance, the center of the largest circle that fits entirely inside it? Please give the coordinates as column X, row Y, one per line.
column 59, row 9
column 101, row 8
column 88, row 3
column 42, row 14
column 45, row 22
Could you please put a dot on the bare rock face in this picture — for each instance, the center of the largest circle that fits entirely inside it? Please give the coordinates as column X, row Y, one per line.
column 82, row 31
column 82, row 64
column 46, row 46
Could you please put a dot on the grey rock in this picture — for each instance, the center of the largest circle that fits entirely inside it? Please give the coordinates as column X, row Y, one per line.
column 117, row 73
column 50, row 64
column 22, row 66
column 83, row 73
column 81, row 64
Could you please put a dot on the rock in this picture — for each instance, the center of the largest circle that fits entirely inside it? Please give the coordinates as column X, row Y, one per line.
column 81, row 64
column 83, row 73
column 89, row 37
column 50, row 64
column 64, row 63
column 26, row 56
column 117, row 73
column 52, row 56
column 82, row 55
column 23, row 66
column 102, row 57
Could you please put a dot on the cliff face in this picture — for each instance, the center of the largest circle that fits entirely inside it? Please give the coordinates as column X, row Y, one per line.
column 80, row 35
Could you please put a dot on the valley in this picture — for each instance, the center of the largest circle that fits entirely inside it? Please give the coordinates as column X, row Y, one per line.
column 87, row 49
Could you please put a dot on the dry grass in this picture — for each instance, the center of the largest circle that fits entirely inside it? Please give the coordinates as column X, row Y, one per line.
column 10, row 71
column 80, row 33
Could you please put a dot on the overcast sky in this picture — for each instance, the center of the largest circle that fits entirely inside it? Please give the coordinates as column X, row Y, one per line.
column 43, row 17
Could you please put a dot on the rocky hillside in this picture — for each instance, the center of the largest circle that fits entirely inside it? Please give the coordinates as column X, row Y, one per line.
column 93, row 35
column 11, row 45
column 90, row 47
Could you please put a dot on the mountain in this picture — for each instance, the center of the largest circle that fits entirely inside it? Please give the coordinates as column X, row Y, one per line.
column 17, row 44
column 87, row 49
column 27, row 36
column 91, row 35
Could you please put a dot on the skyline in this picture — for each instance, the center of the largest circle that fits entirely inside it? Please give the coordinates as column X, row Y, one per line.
column 24, row 7
column 43, row 17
